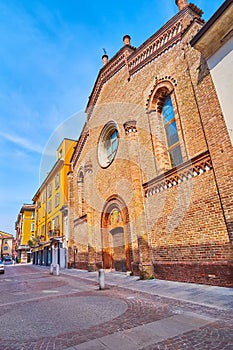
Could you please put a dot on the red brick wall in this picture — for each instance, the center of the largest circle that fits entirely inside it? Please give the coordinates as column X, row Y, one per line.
column 211, row 272
column 186, row 227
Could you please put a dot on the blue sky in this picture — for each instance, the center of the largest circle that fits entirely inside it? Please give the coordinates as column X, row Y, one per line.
column 50, row 55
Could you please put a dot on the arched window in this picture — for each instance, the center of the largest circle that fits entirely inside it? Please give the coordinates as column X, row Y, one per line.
column 163, row 123
column 172, row 137
column 81, row 201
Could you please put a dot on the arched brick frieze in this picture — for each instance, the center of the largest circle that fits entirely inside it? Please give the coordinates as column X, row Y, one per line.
column 162, row 87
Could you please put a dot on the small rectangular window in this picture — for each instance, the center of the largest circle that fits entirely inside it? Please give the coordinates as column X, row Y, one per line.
column 50, row 206
column 57, row 181
column 44, row 196
column 49, row 189
column 57, row 199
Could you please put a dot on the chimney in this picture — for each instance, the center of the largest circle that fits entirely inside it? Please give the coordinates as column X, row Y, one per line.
column 181, row 4
column 105, row 59
column 126, row 39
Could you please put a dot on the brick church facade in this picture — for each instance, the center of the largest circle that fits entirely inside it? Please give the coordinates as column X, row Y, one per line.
column 150, row 189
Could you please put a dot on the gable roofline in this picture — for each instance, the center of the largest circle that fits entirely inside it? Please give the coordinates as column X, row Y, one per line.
column 190, row 8
column 6, row 235
column 103, row 75
column 49, row 177
column 27, row 207
column 80, row 144
column 127, row 55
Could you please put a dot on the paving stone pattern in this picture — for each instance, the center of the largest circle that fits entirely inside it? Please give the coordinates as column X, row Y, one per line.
column 43, row 312
column 216, row 336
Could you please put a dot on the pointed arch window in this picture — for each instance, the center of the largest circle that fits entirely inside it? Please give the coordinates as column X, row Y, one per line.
column 172, row 136
column 81, row 200
column 165, row 124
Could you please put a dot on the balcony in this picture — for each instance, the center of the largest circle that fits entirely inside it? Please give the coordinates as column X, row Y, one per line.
column 54, row 233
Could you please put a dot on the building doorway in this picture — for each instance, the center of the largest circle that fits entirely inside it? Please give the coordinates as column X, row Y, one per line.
column 116, row 245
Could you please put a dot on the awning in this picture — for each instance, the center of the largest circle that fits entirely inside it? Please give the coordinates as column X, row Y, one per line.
column 46, row 244
column 41, row 247
column 35, row 249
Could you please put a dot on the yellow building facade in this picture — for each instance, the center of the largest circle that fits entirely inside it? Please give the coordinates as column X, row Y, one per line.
column 25, row 232
column 49, row 201
column 6, row 244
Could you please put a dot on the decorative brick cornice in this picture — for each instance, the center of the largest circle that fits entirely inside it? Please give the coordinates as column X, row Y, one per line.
column 88, row 167
column 116, row 63
column 196, row 9
column 163, row 40
column 187, row 170
column 135, row 59
column 81, row 142
column 109, row 70
column 155, row 100
column 161, row 43
column 130, row 127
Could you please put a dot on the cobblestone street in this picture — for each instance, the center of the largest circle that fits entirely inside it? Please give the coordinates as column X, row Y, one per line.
column 43, row 311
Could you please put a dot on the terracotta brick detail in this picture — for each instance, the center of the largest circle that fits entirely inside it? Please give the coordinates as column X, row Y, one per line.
column 181, row 4
column 213, row 273
column 174, row 222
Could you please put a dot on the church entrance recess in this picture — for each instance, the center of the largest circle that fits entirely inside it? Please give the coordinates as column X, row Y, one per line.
column 116, row 245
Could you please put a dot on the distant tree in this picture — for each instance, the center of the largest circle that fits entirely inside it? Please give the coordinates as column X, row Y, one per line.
column 31, row 242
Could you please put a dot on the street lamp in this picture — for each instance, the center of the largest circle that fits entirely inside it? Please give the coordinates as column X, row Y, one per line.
column 75, row 252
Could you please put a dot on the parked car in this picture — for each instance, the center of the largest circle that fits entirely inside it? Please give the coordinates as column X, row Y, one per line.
column 7, row 258
column 2, row 269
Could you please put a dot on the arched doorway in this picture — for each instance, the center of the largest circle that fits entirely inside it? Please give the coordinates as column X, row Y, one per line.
column 116, row 245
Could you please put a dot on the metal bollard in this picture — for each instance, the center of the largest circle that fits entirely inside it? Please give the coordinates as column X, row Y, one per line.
column 51, row 269
column 57, row 270
column 101, row 278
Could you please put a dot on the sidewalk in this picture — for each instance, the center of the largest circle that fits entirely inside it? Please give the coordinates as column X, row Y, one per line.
column 173, row 315
column 184, row 330
column 204, row 295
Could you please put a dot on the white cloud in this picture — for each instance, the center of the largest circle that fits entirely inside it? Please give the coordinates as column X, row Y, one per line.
column 22, row 142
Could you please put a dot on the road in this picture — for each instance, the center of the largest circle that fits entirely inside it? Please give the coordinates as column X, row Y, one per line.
column 43, row 311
